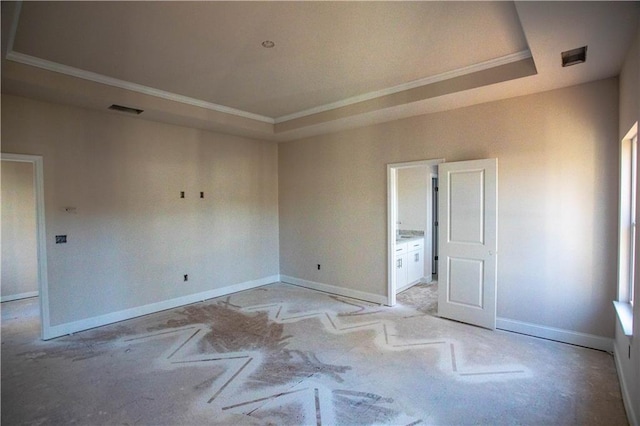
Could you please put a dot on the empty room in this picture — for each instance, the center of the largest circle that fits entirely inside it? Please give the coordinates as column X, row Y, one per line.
column 320, row 213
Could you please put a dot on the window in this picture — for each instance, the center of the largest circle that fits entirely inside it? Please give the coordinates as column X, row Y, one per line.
column 632, row 218
column 632, row 214
column 627, row 237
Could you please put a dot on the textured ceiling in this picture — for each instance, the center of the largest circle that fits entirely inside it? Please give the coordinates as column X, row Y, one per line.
column 334, row 64
column 325, row 51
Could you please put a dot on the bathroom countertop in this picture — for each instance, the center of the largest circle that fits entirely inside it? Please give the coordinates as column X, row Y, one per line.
column 408, row 238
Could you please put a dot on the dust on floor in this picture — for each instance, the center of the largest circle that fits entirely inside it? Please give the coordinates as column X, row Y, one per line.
column 281, row 354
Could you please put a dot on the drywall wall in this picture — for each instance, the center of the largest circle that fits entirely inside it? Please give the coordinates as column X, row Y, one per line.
column 19, row 254
column 414, row 185
column 557, row 200
column 130, row 237
column 627, row 350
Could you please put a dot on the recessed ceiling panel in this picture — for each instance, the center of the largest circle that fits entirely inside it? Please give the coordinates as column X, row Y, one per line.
column 323, row 52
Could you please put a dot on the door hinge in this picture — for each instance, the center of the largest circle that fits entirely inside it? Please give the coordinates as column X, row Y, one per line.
column 436, row 189
column 435, row 223
column 435, row 258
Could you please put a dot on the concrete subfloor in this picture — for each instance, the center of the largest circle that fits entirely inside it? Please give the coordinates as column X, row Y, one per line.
column 285, row 355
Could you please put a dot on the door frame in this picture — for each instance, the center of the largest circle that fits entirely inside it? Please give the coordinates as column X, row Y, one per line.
column 392, row 218
column 41, row 236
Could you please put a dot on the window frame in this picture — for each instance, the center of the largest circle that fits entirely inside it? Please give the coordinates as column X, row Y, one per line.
column 628, row 210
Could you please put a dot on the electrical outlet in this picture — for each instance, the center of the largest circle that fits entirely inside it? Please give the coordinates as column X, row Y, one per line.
column 186, row 277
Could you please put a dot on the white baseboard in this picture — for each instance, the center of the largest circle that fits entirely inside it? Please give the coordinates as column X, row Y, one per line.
column 88, row 323
column 340, row 291
column 632, row 416
column 557, row 334
column 18, row 296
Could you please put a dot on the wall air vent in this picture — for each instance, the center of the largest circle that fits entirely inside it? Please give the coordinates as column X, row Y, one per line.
column 574, row 56
column 128, row 110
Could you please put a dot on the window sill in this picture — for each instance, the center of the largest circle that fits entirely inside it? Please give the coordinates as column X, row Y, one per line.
column 625, row 316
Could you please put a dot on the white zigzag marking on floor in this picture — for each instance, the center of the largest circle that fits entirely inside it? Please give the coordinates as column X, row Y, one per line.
column 314, row 397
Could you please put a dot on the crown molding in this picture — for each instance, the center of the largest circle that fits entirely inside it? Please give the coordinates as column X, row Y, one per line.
column 22, row 58
column 514, row 57
column 127, row 85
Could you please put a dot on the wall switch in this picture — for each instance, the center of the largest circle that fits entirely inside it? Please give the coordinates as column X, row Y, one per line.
column 61, row 239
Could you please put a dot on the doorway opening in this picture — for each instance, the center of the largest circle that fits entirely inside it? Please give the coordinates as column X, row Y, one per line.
column 412, row 226
column 24, row 283
column 467, row 246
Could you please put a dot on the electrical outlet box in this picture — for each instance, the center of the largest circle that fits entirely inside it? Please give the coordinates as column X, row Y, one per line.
column 318, row 266
column 61, row 239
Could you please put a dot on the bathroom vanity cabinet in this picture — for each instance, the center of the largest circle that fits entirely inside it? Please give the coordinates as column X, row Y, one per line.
column 409, row 261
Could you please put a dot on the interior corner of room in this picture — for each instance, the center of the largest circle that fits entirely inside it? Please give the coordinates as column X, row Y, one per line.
column 109, row 215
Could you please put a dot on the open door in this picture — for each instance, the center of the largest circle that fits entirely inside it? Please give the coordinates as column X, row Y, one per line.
column 467, row 236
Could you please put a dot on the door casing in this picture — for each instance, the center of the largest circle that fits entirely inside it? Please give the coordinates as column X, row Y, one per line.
column 41, row 237
column 392, row 218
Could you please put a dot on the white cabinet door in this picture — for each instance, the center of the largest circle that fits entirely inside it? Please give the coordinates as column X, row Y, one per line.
column 401, row 270
column 416, row 266
column 467, row 238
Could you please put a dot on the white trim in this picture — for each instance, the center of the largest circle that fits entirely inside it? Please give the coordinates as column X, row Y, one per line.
column 340, row 291
column 482, row 66
column 127, row 85
column 557, row 334
column 110, row 318
column 632, row 416
column 392, row 218
column 624, row 218
column 392, row 230
column 18, row 296
column 624, row 312
column 134, row 87
column 41, row 235
column 14, row 26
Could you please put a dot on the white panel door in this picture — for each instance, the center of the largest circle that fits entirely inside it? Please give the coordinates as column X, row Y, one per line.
column 467, row 236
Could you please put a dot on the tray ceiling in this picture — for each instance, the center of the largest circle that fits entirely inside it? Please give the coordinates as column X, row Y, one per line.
column 332, row 61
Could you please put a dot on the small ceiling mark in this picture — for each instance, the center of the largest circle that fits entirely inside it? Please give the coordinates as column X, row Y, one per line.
column 268, row 44
column 574, row 56
column 128, row 110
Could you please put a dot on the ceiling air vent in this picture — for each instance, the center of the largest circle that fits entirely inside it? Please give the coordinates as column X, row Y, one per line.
column 128, row 110
column 574, row 56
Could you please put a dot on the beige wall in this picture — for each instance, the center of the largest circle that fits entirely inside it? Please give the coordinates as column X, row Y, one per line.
column 131, row 238
column 557, row 200
column 628, row 360
column 19, row 255
column 414, row 185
